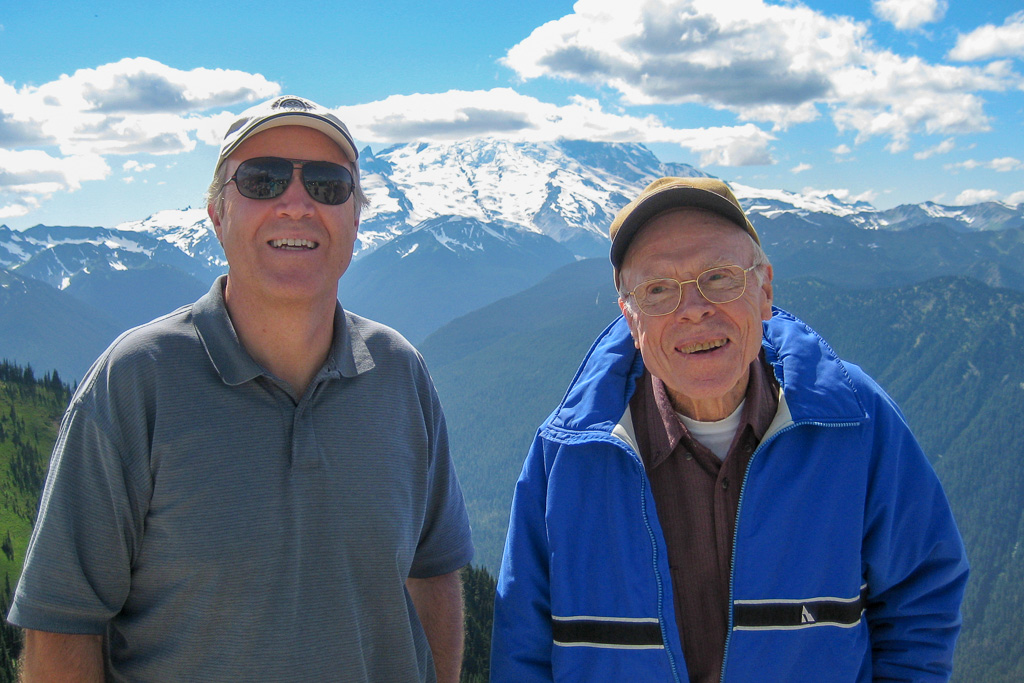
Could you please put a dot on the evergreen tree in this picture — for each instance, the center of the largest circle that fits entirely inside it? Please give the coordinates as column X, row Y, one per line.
column 478, row 587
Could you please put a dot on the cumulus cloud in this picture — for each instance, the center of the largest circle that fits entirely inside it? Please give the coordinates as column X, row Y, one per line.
column 1016, row 198
column 990, row 42
column 507, row 114
column 55, row 136
column 800, row 168
column 968, row 197
column 909, row 14
column 33, row 175
column 133, row 165
column 784, row 64
column 129, row 107
column 1001, row 165
column 944, row 147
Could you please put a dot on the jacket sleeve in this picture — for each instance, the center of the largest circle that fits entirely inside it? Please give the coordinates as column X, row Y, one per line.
column 521, row 644
column 915, row 563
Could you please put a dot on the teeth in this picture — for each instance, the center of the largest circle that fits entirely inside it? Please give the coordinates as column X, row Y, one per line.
column 293, row 243
column 703, row 346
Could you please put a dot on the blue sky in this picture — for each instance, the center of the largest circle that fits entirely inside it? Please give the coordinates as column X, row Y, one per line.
column 111, row 111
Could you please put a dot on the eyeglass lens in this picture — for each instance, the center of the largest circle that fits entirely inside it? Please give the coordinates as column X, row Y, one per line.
column 717, row 285
column 269, row 177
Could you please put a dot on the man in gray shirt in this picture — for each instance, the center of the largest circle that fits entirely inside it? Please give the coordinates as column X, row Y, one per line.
column 258, row 485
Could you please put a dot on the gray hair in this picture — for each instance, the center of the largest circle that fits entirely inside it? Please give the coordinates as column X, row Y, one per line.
column 215, row 193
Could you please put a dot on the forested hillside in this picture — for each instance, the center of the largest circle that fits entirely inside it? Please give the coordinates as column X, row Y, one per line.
column 30, row 411
column 949, row 351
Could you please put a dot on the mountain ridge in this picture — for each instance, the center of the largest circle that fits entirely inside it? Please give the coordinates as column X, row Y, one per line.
column 521, row 210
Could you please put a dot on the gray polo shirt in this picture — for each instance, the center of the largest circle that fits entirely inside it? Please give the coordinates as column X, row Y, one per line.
column 214, row 528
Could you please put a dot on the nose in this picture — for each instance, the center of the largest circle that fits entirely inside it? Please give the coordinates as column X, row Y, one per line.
column 295, row 202
column 693, row 307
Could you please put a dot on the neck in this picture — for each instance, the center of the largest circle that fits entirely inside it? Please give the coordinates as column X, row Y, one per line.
column 710, row 409
column 291, row 340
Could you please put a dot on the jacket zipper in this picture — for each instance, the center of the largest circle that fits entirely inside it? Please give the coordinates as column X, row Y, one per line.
column 736, row 532
column 654, row 544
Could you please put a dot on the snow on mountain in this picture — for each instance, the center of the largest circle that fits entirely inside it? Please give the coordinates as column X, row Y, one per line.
column 771, row 203
column 188, row 230
column 567, row 190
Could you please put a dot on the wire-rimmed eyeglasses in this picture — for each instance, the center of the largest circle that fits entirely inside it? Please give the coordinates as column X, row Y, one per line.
column 718, row 285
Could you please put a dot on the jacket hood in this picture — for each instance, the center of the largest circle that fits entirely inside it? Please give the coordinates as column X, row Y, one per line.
column 604, row 383
column 816, row 383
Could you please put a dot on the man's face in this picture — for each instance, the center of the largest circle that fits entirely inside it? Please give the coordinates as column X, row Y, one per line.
column 702, row 351
column 289, row 249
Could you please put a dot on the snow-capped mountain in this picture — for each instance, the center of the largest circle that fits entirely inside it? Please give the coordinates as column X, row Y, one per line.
column 57, row 255
column 567, row 190
column 446, row 219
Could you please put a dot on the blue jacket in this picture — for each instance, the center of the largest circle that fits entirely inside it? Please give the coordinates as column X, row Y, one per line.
column 847, row 565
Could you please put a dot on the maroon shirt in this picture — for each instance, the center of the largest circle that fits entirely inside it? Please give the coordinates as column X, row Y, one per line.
column 697, row 496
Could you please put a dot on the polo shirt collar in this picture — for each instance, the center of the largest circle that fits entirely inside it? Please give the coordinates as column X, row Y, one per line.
column 349, row 355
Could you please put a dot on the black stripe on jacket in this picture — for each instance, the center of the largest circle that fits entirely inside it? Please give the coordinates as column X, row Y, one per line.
column 617, row 633
column 752, row 615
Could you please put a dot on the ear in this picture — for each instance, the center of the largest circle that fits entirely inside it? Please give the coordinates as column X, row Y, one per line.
column 214, row 218
column 631, row 321
column 766, row 289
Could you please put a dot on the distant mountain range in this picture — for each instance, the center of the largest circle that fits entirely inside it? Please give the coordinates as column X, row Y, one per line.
column 456, row 226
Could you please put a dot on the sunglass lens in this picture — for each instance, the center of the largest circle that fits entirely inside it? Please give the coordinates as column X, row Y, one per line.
column 263, row 177
column 326, row 182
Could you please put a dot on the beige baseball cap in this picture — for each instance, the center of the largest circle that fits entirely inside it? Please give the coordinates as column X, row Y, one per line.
column 288, row 110
column 673, row 193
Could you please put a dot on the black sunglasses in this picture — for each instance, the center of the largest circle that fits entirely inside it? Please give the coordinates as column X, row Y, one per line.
column 269, row 177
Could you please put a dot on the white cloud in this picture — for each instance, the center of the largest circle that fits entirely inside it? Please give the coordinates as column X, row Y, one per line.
column 506, row 114
column 989, row 42
column 127, row 107
column 842, row 150
column 782, row 63
column 909, row 14
column 133, row 165
column 800, row 168
column 944, row 147
column 1001, row 165
column 1016, row 198
column 33, row 171
column 134, row 106
column 14, row 210
column 968, row 197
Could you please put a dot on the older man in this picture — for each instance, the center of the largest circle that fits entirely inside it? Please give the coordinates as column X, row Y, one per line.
column 256, row 486
column 718, row 496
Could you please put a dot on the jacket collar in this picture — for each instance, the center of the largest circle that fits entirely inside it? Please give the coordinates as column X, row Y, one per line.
column 815, row 383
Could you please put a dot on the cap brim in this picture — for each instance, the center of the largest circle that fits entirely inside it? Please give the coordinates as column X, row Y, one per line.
column 672, row 198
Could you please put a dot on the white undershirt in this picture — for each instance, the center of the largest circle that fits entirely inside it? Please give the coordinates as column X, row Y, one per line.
column 716, row 436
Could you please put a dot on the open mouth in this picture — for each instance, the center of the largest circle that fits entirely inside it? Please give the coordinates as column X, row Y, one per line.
column 293, row 244
column 703, row 347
